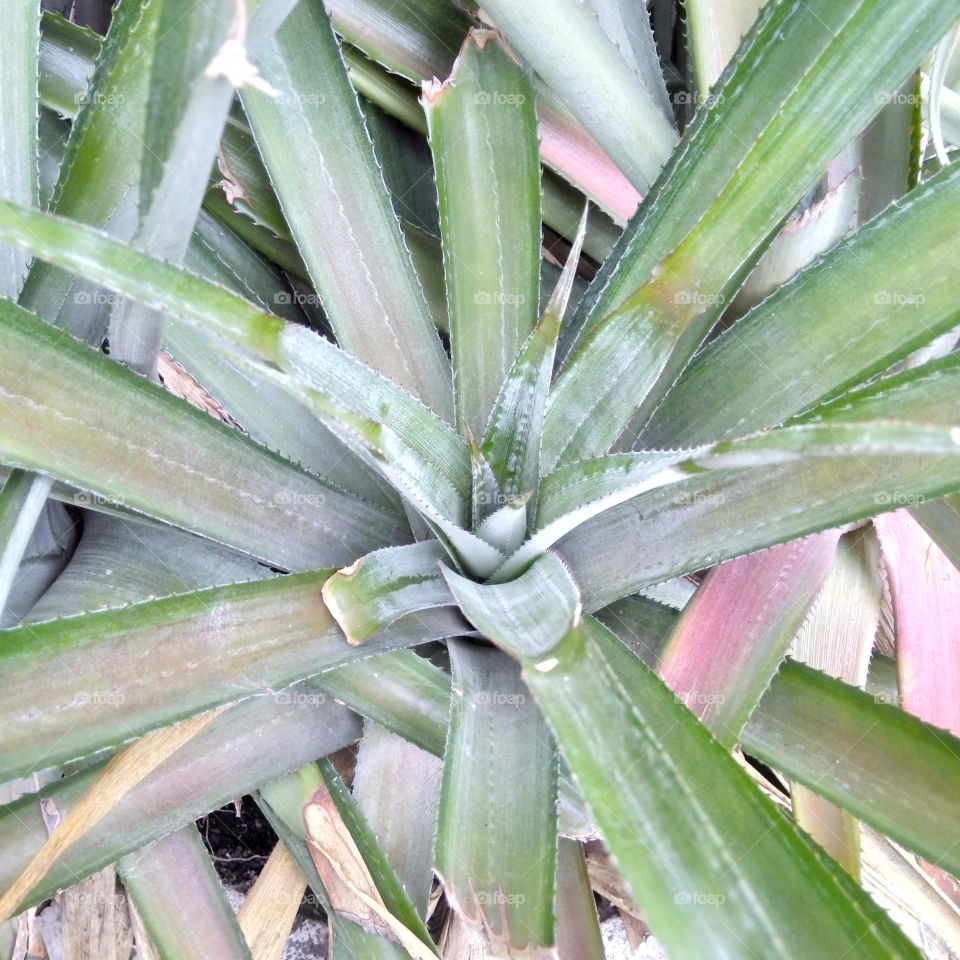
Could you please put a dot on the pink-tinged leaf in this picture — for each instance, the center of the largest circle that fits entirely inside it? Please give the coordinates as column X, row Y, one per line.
column 925, row 587
column 565, row 146
column 737, row 628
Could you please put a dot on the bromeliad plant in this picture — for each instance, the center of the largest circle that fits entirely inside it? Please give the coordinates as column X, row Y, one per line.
column 566, row 567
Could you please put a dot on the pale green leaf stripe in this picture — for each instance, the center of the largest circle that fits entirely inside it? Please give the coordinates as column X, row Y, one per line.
column 704, row 871
column 512, row 437
column 19, row 109
column 75, row 685
column 251, row 744
column 868, row 757
column 345, row 227
column 483, row 135
column 736, row 508
column 870, row 302
column 497, row 829
column 577, row 493
column 315, row 364
column 583, row 67
column 383, row 586
column 791, row 101
column 188, row 469
column 381, row 870
column 180, row 899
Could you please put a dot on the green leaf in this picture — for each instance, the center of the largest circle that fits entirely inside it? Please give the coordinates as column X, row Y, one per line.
column 371, row 594
column 629, row 29
column 717, row 878
column 419, row 39
column 511, row 440
column 838, row 476
column 869, row 303
column 864, row 755
column 67, row 55
column 400, row 690
column 497, row 830
column 733, row 634
column 581, row 65
column 578, row 929
column 527, row 616
column 77, row 684
column 330, row 381
column 251, row 744
column 483, row 136
column 793, row 99
column 20, row 159
column 186, row 107
column 180, row 900
column 348, row 233
column 204, row 476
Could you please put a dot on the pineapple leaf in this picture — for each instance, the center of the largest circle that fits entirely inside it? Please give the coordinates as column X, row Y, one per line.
column 347, row 231
column 579, row 62
column 499, row 770
column 483, row 134
column 203, row 476
column 788, row 105
column 829, row 315
column 180, row 899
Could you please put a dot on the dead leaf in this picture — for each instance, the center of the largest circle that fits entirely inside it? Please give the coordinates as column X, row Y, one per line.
column 348, row 882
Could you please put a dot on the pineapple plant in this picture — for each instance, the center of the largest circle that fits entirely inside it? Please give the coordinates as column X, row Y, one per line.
column 517, row 445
